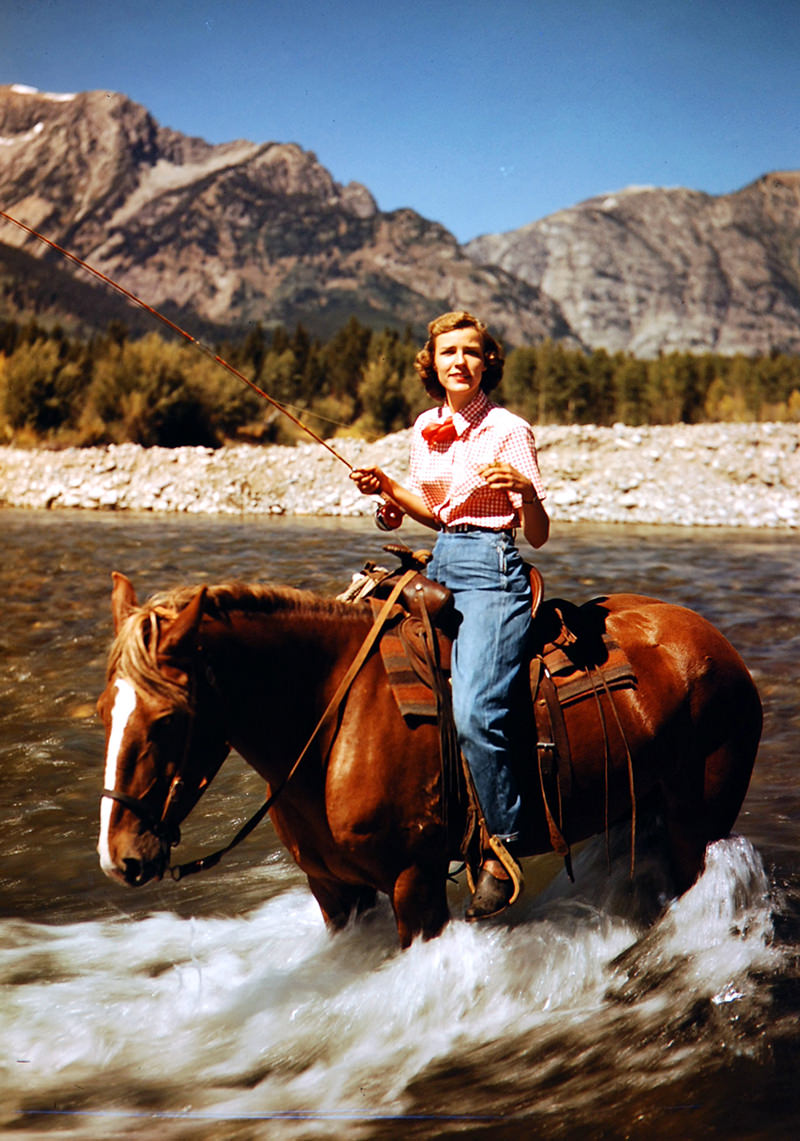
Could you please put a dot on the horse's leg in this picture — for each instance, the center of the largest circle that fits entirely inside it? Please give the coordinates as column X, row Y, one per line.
column 419, row 900
column 687, row 837
column 339, row 902
column 702, row 807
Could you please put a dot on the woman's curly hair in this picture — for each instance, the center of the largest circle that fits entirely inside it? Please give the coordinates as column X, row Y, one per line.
column 447, row 323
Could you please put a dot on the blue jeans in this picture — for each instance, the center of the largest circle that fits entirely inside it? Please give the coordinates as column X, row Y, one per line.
column 492, row 592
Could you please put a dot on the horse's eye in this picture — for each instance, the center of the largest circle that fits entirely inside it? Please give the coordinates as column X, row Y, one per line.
column 164, row 725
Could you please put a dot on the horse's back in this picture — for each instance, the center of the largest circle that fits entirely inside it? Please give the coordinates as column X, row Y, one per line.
column 721, row 711
column 639, row 619
column 675, row 650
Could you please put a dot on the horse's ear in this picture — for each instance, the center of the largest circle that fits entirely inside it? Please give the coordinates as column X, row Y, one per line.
column 180, row 636
column 123, row 599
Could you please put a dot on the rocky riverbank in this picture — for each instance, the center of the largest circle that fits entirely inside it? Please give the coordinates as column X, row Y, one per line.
column 739, row 475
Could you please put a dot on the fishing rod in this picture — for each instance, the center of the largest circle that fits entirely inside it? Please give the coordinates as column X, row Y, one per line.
column 388, row 516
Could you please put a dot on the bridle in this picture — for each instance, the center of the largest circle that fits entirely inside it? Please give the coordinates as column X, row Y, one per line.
column 162, row 828
column 166, row 830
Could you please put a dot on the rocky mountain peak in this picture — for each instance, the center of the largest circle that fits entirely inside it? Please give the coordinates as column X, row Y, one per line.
column 237, row 232
column 780, row 180
column 240, row 232
column 648, row 270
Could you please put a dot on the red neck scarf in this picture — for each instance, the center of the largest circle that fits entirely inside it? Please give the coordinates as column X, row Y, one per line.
column 440, row 431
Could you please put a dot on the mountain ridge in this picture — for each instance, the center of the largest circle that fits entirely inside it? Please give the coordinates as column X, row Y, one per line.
column 650, row 270
column 230, row 234
column 236, row 232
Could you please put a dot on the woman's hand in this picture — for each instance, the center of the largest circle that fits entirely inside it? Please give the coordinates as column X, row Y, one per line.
column 374, row 481
column 535, row 520
column 369, row 480
column 504, row 477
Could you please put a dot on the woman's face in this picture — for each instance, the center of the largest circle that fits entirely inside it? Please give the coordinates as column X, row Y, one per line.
column 458, row 360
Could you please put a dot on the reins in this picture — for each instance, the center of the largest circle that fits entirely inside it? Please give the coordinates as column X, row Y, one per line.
column 202, row 863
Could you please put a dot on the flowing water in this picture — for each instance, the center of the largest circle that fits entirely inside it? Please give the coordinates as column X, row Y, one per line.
column 220, row 1006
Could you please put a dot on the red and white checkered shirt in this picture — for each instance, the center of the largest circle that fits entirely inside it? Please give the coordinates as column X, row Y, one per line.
column 446, row 475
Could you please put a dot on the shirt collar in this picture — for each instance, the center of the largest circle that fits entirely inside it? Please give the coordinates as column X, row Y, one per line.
column 472, row 413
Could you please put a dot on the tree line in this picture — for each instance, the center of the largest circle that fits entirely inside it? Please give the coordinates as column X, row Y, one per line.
column 60, row 390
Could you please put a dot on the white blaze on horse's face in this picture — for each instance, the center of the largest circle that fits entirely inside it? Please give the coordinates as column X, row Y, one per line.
column 124, row 706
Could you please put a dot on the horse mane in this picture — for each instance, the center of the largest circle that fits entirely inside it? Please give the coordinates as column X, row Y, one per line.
column 133, row 651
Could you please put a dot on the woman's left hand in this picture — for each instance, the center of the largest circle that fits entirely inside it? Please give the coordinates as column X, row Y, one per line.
column 535, row 521
column 504, row 477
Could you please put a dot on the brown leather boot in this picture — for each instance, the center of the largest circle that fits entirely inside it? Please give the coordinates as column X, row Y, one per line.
column 493, row 891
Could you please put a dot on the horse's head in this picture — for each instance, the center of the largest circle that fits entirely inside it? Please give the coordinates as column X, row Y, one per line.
column 164, row 737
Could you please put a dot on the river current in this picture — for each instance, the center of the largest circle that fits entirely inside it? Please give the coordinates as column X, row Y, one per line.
column 221, row 1007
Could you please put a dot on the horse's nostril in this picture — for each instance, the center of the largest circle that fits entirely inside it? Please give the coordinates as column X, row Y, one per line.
column 137, row 870
column 133, row 871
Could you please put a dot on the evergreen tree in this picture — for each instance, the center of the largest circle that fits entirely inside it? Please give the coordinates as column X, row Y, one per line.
column 253, row 351
column 383, row 389
column 344, row 358
column 630, row 391
column 520, row 387
column 601, row 391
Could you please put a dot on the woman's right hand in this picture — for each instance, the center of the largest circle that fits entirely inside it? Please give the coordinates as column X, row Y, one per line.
column 374, row 481
column 369, row 480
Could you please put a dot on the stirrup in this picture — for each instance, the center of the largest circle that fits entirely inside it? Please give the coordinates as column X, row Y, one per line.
column 511, row 866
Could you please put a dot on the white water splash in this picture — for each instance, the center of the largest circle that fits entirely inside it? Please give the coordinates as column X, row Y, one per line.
column 269, row 1017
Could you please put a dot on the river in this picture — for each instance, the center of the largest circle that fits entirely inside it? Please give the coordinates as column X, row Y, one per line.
column 221, row 1007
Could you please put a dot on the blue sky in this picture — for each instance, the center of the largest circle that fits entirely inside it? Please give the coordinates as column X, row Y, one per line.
column 480, row 115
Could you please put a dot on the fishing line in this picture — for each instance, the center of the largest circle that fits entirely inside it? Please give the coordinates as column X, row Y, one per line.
column 387, row 516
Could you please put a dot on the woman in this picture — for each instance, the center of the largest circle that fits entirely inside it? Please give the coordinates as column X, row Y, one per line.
column 475, row 478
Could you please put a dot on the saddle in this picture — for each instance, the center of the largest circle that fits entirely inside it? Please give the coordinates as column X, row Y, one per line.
column 420, row 592
column 569, row 663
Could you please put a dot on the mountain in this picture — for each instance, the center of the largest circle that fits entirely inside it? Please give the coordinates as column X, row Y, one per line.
column 44, row 290
column 235, row 233
column 221, row 236
column 650, row 270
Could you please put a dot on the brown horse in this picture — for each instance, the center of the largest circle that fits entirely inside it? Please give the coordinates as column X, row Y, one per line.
column 201, row 670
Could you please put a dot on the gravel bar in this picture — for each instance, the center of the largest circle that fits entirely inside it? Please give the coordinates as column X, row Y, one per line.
column 733, row 475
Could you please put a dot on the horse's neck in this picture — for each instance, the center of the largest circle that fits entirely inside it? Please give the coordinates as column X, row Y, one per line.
column 275, row 674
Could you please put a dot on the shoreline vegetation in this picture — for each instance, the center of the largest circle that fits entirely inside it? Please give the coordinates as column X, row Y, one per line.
column 115, row 423
column 713, row 474
column 62, row 391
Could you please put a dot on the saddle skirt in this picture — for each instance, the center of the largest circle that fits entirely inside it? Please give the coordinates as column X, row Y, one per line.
column 406, row 658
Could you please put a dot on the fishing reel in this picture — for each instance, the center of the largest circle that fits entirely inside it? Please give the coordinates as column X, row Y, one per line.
column 388, row 516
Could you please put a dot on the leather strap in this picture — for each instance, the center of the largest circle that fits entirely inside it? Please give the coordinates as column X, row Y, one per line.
column 604, row 687
column 553, row 754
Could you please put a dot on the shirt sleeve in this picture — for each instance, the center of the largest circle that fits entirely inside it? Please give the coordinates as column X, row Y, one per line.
column 417, row 453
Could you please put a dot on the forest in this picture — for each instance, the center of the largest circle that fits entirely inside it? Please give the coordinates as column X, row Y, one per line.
column 59, row 391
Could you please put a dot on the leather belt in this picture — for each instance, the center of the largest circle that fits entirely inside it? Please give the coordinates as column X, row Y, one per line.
column 462, row 528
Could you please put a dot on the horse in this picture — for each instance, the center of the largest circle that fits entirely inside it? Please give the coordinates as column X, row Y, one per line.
column 200, row 670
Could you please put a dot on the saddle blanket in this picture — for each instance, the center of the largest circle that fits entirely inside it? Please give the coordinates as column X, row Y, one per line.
column 403, row 655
